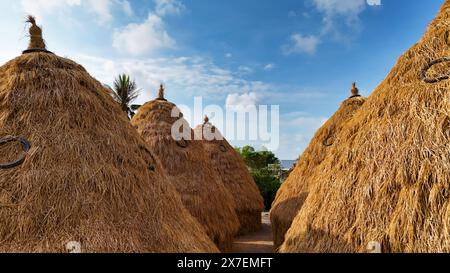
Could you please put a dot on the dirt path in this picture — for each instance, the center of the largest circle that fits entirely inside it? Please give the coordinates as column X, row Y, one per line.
column 258, row 242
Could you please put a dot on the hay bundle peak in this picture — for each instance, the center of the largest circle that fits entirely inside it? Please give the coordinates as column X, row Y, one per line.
column 355, row 90
column 388, row 179
column 229, row 165
column 189, row 169
column 294, row 191
column 161, row 92
column 36, row 40
column 87, row 177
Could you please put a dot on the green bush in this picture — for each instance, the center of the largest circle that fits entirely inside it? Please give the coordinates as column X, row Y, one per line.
column 268, row 185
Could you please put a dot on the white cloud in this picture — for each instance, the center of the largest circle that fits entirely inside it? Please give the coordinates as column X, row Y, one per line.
column 138, row 39
column 334, row 12
column 127, row 9
column 228, row 55
column 190, row 75
column 269, row 67
column 299, row 128
column 40, row 8
column 168, row 7
column 101, row 8
column 151, row 35
column 309, row 122
column 244, row 70
column 340, row 7
column 241, row 102
column 338, row 10
column 302, row 44
column 374, row 2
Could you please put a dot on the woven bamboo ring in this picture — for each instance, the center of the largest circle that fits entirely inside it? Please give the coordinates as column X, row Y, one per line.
column 33, row 50
column 423, row 73
column 182, row 143
column 223, row 148
column 328, row 141
column 25, row 147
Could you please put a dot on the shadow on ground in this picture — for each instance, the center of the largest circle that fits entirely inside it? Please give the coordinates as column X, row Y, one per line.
column 257, row 242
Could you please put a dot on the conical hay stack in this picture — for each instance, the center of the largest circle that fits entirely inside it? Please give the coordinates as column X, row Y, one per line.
column 234, row 173
column 88, row 176
column 202, row 192
column 387, row 180
column 294, row 190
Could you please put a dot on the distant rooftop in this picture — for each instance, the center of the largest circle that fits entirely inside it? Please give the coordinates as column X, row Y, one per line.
column 287, row 164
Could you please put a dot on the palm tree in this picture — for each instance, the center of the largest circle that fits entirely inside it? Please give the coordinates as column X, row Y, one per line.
column 124, row 92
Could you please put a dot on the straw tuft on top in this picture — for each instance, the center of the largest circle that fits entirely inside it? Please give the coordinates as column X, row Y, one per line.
column 355, row 90
column 37, row 42
column 161, row 93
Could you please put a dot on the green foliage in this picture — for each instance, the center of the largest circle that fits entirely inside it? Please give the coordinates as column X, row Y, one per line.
column 124, row 92
column 268, row 185
column 265, row 169
column 257, row 159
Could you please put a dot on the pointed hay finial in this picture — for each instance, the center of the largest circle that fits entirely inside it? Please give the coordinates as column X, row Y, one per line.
column 161, row 92
column 355, row 90
column 206, row 120
column 36, row 40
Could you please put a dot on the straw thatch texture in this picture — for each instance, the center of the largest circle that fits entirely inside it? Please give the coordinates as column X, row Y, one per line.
column 294, row 190
column 202, row 192
column 88, row 177
column 387, row 179
column 235, row 175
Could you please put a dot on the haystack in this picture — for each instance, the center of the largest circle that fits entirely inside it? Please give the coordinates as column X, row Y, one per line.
column 234, row 173
column 184, row 159
column 386, row 181
column 294, row 190
column 75, row 172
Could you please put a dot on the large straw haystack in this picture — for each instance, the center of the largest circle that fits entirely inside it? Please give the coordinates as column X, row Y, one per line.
column 202, row 192
column 80, row 175
column 386, row 181
column 234, row 173
column 294, row 190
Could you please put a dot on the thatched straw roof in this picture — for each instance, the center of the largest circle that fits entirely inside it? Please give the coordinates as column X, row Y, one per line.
column 387, row 180
column 88, row 177
column 234, row 173
column 202, row 192
column 294, row 190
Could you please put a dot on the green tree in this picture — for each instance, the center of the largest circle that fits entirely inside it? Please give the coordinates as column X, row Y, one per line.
column 265, row 169
column 257, row 159
column 268, row 185
column 125, row 91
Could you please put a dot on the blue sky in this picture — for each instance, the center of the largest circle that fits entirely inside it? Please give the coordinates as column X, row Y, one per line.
column 300, row 55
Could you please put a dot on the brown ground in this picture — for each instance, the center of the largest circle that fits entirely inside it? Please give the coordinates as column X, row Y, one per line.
column 258, row 242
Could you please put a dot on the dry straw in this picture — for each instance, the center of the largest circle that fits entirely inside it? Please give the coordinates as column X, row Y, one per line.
column 294, row 190
column 185, row 161
column 387, row 179
column 88, row 176
column 229, row 165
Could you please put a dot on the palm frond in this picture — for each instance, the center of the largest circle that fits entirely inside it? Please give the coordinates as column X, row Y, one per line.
column 135, row 107
column 125, row 91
